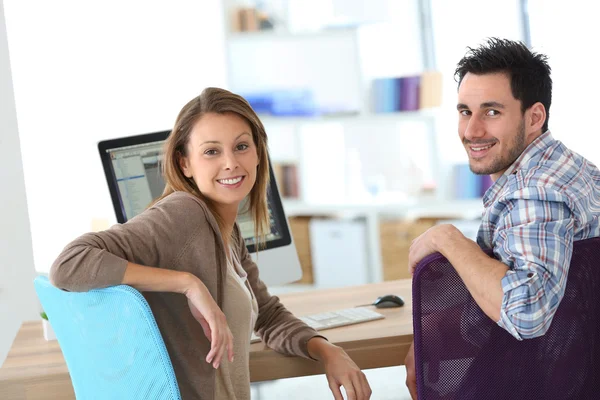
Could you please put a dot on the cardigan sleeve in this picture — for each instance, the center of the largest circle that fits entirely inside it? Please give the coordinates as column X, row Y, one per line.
column 277, row 326
column 154, row 238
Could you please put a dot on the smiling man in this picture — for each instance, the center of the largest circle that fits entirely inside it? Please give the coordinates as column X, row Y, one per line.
column 544, row 195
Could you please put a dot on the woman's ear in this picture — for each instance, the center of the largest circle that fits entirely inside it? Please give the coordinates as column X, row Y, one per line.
column 184, row 164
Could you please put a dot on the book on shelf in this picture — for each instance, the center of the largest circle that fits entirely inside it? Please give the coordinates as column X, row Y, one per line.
column 430, row 92
column 407, row 93
column 286, row 175
column 245, row 19
column 468, row 185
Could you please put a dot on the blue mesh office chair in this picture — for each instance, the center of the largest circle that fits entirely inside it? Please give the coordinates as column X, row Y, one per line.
column 110, row 341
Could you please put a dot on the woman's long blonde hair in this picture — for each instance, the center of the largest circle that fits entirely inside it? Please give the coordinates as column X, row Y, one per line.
column 219, row 101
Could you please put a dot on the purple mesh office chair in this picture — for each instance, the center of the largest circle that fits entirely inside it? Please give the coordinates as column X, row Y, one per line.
column 461, row 354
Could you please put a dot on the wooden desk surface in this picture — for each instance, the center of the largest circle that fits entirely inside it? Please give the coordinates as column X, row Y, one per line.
column 375, row 344
column 35, row 368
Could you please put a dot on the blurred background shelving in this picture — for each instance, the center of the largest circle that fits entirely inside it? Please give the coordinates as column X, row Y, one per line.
column 350, row 95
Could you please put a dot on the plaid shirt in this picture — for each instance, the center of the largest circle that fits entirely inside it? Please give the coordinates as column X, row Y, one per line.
column 548, row 198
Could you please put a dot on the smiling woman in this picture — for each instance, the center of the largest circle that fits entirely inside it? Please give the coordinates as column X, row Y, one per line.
column 187, row 253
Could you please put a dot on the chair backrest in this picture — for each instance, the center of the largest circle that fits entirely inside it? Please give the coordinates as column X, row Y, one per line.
column 111, row 343
column 460, row 353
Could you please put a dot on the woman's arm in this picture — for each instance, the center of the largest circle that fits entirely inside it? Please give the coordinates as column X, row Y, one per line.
column 153, row 238
column 149, row 279
column 156, row 237
column 285, row 333
column 278, row 328
column 201, row 303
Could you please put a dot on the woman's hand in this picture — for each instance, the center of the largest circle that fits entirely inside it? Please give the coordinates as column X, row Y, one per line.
column 212, row 320
column 201, row 303
column 340, row 370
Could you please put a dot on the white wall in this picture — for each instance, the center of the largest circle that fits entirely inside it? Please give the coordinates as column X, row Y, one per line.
column 84, row 71
column 17, row 298
column 568, row 34
column 456, row 28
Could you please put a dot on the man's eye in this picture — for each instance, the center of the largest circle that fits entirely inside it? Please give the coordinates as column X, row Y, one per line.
column 465, row 112
column 493, row 113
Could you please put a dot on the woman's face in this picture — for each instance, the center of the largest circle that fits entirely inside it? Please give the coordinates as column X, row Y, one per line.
column 221, row 158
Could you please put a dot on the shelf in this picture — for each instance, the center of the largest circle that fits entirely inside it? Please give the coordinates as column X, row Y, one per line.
column 280, row 34
column 366, row 117
column 411, row 209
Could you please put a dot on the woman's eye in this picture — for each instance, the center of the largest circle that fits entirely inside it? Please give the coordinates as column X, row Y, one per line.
column 210, row 152
column 242, row 146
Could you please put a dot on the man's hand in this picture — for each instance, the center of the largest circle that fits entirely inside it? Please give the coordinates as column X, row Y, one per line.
column 428, row 243
column 340, row 370
column 411, row 376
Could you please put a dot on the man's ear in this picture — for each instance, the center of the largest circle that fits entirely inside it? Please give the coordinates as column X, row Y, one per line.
column 184, row 165
column 537, row 118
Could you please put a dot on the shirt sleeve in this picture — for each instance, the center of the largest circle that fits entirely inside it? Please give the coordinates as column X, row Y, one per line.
column 536, row 242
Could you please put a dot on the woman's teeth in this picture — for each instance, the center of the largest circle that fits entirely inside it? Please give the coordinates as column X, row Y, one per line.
column 232, row 181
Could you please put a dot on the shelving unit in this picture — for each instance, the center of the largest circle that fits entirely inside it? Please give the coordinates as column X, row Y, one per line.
column 420, row 115
column 330, row 63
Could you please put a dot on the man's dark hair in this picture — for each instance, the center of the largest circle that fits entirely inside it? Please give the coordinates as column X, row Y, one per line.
column 529, row 72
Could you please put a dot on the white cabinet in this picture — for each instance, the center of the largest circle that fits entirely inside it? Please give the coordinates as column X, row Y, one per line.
column 339, row 252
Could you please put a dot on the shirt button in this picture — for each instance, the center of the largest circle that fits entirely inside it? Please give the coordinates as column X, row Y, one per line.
column 529, row 275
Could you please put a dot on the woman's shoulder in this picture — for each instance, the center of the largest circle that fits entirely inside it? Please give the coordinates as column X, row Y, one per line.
column 181, row 199
column 182, row 208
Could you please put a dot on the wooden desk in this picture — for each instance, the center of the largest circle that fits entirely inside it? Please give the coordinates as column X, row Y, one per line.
column 35, row 368
column 375, row 344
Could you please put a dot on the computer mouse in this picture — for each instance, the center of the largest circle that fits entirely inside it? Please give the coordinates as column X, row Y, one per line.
column 388, row 301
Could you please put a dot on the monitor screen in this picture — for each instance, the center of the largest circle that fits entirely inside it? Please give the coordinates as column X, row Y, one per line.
column 132, row 166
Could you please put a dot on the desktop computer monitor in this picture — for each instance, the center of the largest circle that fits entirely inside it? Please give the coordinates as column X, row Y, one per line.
column 133, row 174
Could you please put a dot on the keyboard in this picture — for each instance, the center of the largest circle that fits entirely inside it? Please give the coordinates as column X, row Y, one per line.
column 335, row 319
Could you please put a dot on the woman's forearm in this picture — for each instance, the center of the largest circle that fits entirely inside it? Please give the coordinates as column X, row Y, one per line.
column 319, row 348
column 150, row 279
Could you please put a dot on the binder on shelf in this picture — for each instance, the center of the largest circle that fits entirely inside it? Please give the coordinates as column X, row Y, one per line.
column 286, row 175
column 430, row 95
column 245, row 19
column 409, row 93
column 468, row 185
column 406, row 93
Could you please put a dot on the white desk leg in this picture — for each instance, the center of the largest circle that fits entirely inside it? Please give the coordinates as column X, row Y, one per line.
column 374, row 247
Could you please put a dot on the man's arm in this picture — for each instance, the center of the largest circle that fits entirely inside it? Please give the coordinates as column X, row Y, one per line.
column 481, row 274
column 534, row 237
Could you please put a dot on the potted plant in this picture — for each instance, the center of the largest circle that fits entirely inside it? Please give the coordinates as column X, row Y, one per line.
column 48, row 331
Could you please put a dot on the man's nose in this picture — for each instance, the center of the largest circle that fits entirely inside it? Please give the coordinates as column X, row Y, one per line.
column 475, row 129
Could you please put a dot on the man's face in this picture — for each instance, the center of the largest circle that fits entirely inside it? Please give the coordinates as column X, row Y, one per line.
column 491, row 125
